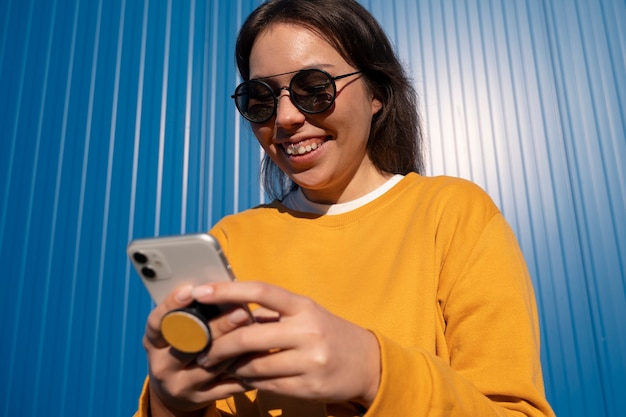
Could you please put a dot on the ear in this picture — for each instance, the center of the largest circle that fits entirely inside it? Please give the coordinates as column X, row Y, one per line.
column 376, row 105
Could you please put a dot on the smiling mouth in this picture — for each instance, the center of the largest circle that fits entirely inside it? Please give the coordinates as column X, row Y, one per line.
column 304, row 147
column 298, row 149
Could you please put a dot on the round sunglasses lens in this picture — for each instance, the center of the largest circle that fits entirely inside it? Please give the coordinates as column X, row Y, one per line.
column 255, row 101
column 313, row 91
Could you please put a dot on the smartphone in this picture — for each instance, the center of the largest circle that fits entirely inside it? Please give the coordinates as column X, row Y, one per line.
column 166, row 263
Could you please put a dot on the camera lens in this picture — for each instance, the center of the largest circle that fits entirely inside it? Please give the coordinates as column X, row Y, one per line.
column 140, row 257
column 148, row 272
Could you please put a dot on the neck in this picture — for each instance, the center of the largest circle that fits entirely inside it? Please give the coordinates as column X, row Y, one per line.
column 352, row 191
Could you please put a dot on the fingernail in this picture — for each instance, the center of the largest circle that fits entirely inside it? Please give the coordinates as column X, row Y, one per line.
column 202, row 291
column 238, row 316
column 184, row 294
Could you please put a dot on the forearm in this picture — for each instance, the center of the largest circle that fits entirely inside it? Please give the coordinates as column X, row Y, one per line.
column 415, row 382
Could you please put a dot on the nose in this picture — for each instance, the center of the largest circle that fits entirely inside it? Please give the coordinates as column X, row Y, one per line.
column 287, row 114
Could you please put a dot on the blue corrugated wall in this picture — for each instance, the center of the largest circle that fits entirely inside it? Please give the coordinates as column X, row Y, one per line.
column 116, row 122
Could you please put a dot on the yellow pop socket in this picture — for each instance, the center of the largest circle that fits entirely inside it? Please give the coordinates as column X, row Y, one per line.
column 186, row 331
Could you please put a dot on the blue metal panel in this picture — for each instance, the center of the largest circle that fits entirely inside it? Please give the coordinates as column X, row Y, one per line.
column 116, row 121
column 527, row 100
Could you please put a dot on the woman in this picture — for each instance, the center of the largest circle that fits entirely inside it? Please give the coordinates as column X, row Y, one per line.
column 380, row 291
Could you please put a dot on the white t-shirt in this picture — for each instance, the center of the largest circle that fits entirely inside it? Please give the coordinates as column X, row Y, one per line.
column 296, row 200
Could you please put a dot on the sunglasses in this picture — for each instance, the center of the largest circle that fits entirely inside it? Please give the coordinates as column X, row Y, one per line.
column 312, row 91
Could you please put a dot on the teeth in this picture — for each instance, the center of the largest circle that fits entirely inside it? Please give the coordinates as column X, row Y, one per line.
column 301, row 149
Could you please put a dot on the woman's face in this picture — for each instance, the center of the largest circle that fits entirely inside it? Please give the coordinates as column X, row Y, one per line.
column 324, row 153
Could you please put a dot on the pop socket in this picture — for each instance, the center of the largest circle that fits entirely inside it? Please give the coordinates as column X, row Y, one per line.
column 187, row 330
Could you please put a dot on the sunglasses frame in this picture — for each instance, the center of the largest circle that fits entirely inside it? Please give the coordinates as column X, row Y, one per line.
column 276, row 92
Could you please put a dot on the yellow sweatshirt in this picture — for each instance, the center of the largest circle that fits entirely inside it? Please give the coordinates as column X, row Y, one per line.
column 433, row 269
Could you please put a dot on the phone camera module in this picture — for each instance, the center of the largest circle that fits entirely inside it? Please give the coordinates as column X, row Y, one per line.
column 150, row 264
column 148, row 272
column 140, row 257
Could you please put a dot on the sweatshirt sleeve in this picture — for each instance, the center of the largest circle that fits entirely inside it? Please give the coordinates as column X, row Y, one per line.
column 489, row 364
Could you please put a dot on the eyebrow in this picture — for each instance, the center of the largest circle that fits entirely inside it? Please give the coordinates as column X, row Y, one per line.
column 316, row 66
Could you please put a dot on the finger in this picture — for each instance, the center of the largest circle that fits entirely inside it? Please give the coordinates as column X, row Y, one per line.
column 280, row 371
column 237, row 317
column 193, row 382
column 265, row 315
column 227, row 322
column 270, row 364
column 290, row 386
column 255, row 338
column 179, row 298
column 222, row 387
column 269, row 296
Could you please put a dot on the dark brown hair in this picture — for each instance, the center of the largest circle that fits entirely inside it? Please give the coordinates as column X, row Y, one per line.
column 395, row 142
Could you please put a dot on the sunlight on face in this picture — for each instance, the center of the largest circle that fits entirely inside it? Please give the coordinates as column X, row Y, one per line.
column 323, row 153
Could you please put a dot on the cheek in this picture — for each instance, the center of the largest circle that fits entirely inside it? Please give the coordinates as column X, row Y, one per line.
column 263, row 135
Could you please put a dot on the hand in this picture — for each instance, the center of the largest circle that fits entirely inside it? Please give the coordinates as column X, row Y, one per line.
column 306, row 353
column 177, row 383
